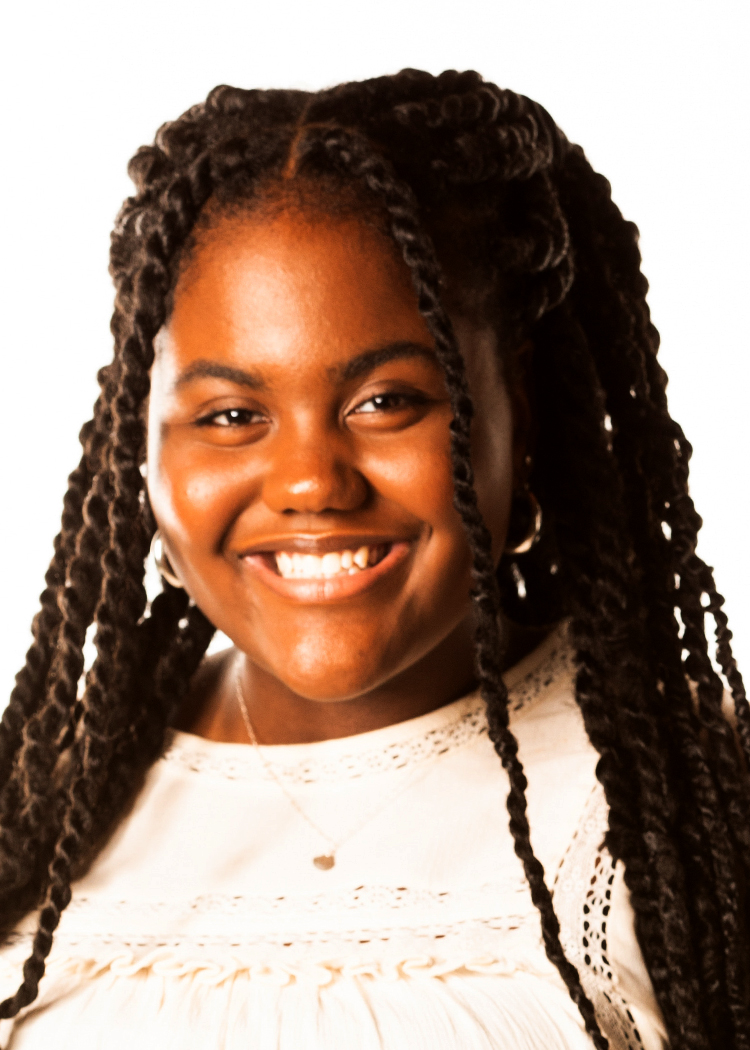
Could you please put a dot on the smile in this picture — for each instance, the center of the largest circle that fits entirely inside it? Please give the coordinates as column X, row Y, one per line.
column 332, row 575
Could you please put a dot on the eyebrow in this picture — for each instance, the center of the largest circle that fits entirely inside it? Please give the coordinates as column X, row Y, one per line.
column 357, row 367
column 203, row 369
column 371, row 359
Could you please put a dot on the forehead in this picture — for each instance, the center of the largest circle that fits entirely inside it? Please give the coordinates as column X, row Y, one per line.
column 292, row 278
column 296, row 294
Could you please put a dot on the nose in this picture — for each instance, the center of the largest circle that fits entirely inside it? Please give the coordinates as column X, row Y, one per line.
column 312, row 476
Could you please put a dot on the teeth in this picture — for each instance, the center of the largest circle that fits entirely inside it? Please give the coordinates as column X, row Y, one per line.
column 331, row 564
column 335, row 563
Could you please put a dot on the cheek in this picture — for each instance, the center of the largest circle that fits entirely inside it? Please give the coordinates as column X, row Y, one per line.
column 419, row 476
column 415, row 474
column 190, row 488
column 194, row 493
column 420, row 483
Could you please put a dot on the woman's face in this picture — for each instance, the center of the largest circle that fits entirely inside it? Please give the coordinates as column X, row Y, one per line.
column 298, row 453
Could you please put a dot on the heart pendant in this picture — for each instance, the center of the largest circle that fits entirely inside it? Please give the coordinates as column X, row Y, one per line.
column 325, row 862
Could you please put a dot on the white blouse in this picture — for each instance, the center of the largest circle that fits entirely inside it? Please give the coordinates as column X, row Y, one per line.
column 204, row 924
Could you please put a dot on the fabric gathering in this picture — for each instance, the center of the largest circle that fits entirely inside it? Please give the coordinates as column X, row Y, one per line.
column 385, row 414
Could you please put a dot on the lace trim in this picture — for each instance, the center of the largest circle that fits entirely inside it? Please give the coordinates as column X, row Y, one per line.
column 558, row 663
column 421, row 904
column 490, row 938
column 393, row 757
column 471, row 723
column 583, row 896
column 363, row 913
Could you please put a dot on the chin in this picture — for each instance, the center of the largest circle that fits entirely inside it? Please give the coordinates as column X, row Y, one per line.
column 329, row 685
column 328, row 667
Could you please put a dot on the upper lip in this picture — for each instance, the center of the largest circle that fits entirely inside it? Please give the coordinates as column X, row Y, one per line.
column 321, row 544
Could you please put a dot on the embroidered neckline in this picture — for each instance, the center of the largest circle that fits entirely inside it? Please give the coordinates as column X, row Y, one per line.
column 381, row 751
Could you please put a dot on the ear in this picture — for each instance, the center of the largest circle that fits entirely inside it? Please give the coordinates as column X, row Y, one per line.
column 520, row 389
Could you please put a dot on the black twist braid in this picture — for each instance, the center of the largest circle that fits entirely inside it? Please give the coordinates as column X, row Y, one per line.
column 638, row 409
column 355, row 156
column 628, row 398
column 24, row 804
column 113, row 587
column 114, row 611
column 31, row 679
column 651, row 382
column 501, row 190
column 597, row 576
column 32, row 676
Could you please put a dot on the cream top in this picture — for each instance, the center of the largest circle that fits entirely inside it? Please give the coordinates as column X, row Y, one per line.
column 204, row 924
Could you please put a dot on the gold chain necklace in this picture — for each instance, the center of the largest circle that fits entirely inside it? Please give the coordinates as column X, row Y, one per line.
column 324, row 861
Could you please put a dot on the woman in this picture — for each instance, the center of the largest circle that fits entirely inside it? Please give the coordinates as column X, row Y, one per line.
column 386, row 406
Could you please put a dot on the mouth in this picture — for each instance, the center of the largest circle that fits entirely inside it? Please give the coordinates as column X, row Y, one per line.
column 329, row 575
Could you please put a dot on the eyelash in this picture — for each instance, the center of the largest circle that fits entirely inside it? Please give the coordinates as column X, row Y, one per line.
column 404, row 400
column 243, row 416
column 211, row 420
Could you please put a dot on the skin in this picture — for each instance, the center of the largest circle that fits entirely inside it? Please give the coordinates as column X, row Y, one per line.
column 331, row 431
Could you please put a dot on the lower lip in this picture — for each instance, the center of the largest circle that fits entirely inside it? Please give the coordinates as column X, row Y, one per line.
column 332, row 589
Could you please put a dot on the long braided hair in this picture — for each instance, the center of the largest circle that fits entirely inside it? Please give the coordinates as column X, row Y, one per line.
column 485, row 175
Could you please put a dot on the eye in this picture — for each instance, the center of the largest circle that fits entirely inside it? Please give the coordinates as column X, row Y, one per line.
column 232, row 417
column 387, row 403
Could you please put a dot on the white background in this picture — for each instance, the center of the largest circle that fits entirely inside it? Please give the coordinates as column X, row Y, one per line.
column 655, row 91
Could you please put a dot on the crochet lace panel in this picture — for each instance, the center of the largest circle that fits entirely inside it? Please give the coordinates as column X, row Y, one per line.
column 400, row 754
column 583, row 898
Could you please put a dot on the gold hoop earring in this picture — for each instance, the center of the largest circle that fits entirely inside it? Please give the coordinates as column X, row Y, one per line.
column 535, row 526
column 162, row 563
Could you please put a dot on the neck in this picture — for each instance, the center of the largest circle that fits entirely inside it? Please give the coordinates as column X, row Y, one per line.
column 281, row 716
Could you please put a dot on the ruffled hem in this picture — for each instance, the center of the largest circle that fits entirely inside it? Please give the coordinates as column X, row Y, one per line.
column 427, row 1004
